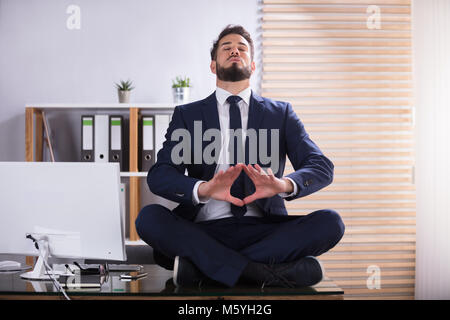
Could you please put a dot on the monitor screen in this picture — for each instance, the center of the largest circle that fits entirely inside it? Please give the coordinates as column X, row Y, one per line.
column 76, row 206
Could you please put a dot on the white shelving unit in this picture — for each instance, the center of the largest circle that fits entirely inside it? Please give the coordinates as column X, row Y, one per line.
column 34, row 141
column 133, row 174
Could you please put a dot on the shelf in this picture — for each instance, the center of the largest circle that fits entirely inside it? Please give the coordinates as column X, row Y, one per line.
column 133, row 174
column 102, row 105
column 34, row 139
column 129, row 242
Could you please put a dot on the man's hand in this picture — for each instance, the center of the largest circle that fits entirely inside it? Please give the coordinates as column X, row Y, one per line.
column 219, row 186
column 266, row 184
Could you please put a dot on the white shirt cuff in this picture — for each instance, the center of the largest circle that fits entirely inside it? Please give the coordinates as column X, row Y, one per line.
column 293, row 193
column 195, row 199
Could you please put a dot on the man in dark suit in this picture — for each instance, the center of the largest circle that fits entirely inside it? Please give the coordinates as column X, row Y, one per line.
column 231, row 223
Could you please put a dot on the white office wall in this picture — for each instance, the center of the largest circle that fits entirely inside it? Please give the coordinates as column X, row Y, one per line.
column 150, row 42
column 431, row 30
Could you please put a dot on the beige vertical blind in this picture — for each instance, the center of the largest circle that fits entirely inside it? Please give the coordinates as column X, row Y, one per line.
column 350, row 84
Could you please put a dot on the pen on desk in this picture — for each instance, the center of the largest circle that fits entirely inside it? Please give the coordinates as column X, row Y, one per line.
column 129, row 277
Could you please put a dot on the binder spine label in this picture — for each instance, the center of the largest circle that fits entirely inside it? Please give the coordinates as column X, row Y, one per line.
column 148, row 134
column 116, row 134
column 88, row 133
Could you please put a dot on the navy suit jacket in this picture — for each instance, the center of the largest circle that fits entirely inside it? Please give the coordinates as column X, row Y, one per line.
column 313, row 171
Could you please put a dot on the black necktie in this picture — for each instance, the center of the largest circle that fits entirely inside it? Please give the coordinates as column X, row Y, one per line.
column 238, row 188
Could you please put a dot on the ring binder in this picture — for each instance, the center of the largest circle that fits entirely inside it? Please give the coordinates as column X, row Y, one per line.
column 87, row 138
column 116, row 145
column 148, row 145
column 101, row 139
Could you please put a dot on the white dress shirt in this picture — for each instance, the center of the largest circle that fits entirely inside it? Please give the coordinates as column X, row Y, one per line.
column 218, row 209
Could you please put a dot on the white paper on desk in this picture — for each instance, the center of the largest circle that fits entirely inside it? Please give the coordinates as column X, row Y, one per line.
column 61, row 243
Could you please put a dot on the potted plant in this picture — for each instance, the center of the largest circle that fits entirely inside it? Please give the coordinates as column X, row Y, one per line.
column 180, row 89
column 124, row 91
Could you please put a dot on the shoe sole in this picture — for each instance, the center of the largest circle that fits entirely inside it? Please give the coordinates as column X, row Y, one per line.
column 175, row 270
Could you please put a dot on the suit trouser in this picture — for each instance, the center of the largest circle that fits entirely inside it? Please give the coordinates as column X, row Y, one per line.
column 222, row 248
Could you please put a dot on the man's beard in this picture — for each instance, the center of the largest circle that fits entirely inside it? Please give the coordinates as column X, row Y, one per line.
column 233, row 73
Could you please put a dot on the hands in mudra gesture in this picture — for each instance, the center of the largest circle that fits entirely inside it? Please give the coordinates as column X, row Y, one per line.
column 266, row 184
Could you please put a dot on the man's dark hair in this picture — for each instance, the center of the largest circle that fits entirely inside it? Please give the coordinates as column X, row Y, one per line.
column 232, row 29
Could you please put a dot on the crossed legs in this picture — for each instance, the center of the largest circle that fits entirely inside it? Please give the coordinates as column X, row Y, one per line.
column 221, row 249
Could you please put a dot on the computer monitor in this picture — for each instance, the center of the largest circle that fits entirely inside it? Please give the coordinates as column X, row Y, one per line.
column 74, row 208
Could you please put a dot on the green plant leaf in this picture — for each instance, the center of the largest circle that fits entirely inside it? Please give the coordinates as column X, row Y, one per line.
column 180, row 82
column 125, row 85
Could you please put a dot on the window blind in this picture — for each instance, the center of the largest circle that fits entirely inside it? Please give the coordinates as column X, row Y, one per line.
column 345, row 66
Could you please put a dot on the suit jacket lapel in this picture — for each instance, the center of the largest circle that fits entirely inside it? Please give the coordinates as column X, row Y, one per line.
column 210, row 114
column 255, row 112
column 210, row 120
column 255, row 116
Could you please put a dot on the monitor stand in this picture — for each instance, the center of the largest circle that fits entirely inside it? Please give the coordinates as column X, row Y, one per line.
column 39, row 272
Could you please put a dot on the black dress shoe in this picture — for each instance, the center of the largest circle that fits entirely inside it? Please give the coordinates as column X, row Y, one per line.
column 304, row 272
column 186, row 274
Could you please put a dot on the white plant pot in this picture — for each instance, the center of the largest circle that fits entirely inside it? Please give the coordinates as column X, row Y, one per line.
column 181, row 95
column 124, row 96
